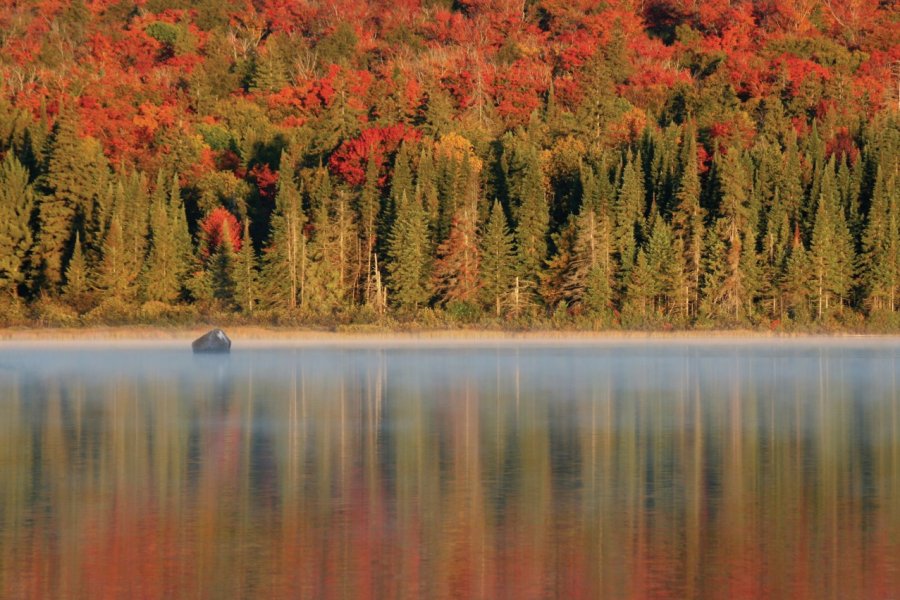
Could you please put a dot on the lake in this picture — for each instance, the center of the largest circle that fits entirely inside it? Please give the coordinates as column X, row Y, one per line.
column 672, row 469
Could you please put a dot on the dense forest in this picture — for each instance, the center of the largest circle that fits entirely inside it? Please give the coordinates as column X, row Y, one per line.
column 570, row 163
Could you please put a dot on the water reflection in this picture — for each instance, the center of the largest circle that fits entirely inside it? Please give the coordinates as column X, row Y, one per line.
column 633, row 472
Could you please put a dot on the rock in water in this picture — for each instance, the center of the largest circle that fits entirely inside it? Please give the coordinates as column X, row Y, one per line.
column 214, row 341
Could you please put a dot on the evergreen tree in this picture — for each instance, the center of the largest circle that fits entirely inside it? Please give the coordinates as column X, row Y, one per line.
column 455, row 273
column 532, row 220
column 16, row 208
column 408, row 250
column 588, row 279
column 269, row 73
column 161, row 275
column 74, row 173
column 223, row 270
column 285, row 259
column 880, row 258
column 114, row 277
column 687, row 223
column 498, row 271
column 628, row 212
column 797, row 282
column 246, row 275
column 831, row 252
column 77, row 285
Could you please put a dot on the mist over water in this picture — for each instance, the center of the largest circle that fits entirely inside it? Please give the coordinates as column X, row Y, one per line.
column 672, row 470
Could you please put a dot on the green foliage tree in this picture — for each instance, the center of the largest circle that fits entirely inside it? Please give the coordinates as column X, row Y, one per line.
column 408, row 250
column 16, row 211
column 285, row 261
column 498, row 270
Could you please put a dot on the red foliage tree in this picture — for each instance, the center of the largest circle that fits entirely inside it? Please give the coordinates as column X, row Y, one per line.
column 213, row 229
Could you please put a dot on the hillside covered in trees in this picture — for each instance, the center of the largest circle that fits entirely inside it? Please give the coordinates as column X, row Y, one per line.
column 593, row 163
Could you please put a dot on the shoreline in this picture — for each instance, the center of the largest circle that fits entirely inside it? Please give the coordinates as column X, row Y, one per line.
column 248, row 337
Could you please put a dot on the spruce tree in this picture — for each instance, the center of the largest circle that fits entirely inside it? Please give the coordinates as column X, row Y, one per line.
column 628, row 212
column 74, row 173
column 687, row 222
column 587, row 281
column 223, row 270
column 77, row 285
column 161, row 276
column 114, row 278
column 408, row 251
column 16, row 208
column 880, row 258
column 532, row 214
column 831, row 251
column 246, row 274
column 285, row 258
column 455, row 272
column 498, row 270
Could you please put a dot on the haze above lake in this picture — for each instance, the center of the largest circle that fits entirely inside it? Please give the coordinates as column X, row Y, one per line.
column 621, row 469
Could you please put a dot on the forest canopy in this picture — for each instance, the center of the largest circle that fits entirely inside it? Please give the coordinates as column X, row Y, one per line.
column 589, row 163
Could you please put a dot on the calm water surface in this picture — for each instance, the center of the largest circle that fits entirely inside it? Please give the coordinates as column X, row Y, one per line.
column 674, row 470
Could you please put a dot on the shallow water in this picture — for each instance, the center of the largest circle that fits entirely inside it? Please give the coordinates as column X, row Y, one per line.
column 632, row 470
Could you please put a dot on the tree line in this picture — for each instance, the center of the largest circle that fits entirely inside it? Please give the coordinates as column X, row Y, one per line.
column 651, row 233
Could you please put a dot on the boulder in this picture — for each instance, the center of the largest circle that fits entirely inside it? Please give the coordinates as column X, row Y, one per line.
column 214, row 341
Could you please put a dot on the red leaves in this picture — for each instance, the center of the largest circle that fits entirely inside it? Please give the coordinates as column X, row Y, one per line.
column 213, row 231
column 376, row 143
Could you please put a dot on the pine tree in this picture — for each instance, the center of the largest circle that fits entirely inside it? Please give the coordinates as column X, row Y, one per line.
column 587, row 281
column 408, row 250
column 161, row 277
column 285, row 258
column 628, row 212
column 369, row 210
column 797, row 282
column 16, row 208
column 733, row 225
column 223, row 270
column 77, row 285
column 246, row 275
column 831, row 252
column 641, row 289
column 114, row 277
column 532, row 215
column 498, row 271
column 663, row 263
column 74, row 173
column 880, row 258
column 269, row 74
column 456, row 269
column 687, row 223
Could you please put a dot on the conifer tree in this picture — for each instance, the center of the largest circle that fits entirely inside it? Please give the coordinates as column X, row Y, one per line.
column 498, row 270
column 641, row 289
column 77, row 285
column 663, row 264
column 532, row 215
column 687, row 222
column 797, row 283
column 246, row 274
column 285, row 258
column 831, row 251
column 223, row 269
column 16, row 208
column 161, row 275
column 408, row 251
column 74, row 172
column 456, row 269
column 326, row 290
column 628, row 212
column 114, row 277
column 880, row 258
column 588, row 278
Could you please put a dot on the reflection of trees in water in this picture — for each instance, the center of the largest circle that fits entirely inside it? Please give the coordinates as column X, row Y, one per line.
column 693, row 474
